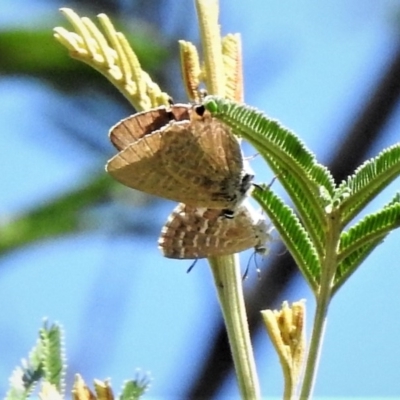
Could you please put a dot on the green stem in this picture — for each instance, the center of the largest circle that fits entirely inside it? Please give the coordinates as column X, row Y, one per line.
column 226, row 269
column 289, row 387
column 323, row 298
column 315, row 346
column 228, row 281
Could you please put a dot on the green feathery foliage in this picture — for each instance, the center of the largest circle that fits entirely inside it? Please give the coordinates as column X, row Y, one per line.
column 323, row 209
column 368, row 181
column 294, row 165
column 134, row 389
column 56, row 217
column 53, row 361
column 45, row 362
column 292, row 234
column 358, row 242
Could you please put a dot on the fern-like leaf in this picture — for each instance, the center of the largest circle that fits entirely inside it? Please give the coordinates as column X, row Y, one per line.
column 352, row 262
column 23, row 381
column 292, row 234
column 370, row 228
column 25, row 377
column 306, row 212
column 369, row 180
column 358, row 242
column 53, row 355
column 294, row 165
column 134, row 389
column 268, row 136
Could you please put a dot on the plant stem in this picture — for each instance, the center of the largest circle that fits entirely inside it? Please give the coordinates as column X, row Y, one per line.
column 226, row 269
column 315, row 346
column 228, row 281
column 323, row 298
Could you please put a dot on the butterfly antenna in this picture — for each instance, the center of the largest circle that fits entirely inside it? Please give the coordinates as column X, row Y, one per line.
column 192, row 266
column 263, row 186
column 249, row 158
column 258, row 270
column 246, row 272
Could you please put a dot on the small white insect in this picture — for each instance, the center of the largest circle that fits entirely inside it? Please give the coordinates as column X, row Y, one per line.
column 192, row 233
column 183, row 154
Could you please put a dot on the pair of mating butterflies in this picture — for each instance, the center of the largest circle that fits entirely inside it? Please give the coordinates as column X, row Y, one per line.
column 183, row 154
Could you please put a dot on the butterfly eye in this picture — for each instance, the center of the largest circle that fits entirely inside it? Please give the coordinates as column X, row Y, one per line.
column 200, row 110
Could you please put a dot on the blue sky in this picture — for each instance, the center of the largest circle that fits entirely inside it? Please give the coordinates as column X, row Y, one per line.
column 311, row 65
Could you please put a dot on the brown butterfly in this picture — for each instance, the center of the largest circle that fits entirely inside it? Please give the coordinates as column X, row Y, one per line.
column 192, row 233
column 183, row 154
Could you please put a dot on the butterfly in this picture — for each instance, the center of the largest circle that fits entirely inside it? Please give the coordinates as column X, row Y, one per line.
column 183, row 154
column 192, row 232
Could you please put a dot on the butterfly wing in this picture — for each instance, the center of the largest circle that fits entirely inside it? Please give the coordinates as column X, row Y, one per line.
column 206, row 158
column 197, row 162
column 191, row 233
column 133, row 128
column 139, row 167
